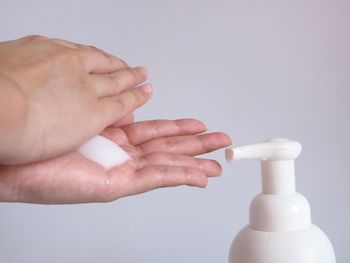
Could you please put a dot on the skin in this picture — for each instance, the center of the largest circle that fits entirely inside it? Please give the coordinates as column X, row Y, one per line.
column 55, row 95
column 162, row 156
column 51, row 87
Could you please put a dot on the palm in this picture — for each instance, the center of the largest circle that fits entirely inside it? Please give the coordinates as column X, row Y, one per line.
column 161, row 156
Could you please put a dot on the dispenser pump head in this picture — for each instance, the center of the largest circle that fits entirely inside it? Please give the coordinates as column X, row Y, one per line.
column 278, row 207
column 277, row 163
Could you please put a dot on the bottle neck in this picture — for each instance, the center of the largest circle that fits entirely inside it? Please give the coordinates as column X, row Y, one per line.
column 278, row 177
column 279, row 207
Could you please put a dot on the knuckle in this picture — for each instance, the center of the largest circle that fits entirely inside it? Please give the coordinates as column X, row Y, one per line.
column 133, row 97
column 128, row 100
column 116, row 82
column 138, row 95
column 142, row 162
column 198, row 163
column 35, row 38
column 138, row 151
column 154, row 126
column 174, row 159
column 168, row 158
column 100, row 52
column 107, row 82
column 157, row 157
column 160, row 173
column 184, row 175
column 120, row 103
column 150, row 158
column 170, row 144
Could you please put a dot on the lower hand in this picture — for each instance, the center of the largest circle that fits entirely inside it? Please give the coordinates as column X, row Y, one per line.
column 162, row 156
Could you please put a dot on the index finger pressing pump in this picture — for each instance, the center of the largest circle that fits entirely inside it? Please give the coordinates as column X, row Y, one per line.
column 280, row 228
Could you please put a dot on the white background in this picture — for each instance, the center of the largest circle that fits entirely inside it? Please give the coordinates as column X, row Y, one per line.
column 255, row 69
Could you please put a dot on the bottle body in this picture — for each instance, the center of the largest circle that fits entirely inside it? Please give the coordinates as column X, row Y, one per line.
column 310, row 245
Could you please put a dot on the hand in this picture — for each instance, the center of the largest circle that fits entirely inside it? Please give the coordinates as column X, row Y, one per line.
column 55, row 95
column 161, row 154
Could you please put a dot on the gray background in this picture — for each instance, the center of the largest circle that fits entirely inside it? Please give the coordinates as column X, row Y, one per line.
column 255, row 69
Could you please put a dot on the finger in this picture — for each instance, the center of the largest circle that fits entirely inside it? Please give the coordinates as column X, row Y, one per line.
column 154, row 177
column 124, row 121
column 209, row 167
column 116, row 82
column 116, row 135
column 141, row 132
column 188, row 144
column 98, row 61
column 114, row 108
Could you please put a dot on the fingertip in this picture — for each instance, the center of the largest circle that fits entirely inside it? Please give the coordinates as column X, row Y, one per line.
column 197, row 178
column 217, row 168
column 212, row 168
column 142, row 70
column 147, row 88
column 201, row 125
column 224, row 139
column 228, row 139
column 203, row 182
column 192, row 125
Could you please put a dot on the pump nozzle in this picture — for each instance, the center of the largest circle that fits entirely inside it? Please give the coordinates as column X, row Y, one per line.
column 274, row 149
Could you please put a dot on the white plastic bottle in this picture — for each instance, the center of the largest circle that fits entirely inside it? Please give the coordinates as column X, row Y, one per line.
column 280, row 228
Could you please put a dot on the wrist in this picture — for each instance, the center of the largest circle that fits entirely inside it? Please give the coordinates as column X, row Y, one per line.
column 13, row 114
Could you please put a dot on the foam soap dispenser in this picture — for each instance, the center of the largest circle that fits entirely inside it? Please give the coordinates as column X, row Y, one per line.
column 280, row 228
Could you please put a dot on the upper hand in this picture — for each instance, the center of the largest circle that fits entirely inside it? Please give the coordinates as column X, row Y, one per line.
column 58, row 94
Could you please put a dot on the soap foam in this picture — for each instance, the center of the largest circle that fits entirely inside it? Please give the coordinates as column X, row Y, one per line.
column 104, row 152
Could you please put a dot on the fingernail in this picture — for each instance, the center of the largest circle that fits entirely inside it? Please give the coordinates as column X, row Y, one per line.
column 148, row 89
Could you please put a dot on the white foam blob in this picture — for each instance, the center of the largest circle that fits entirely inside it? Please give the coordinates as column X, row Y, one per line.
column 104, row 152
